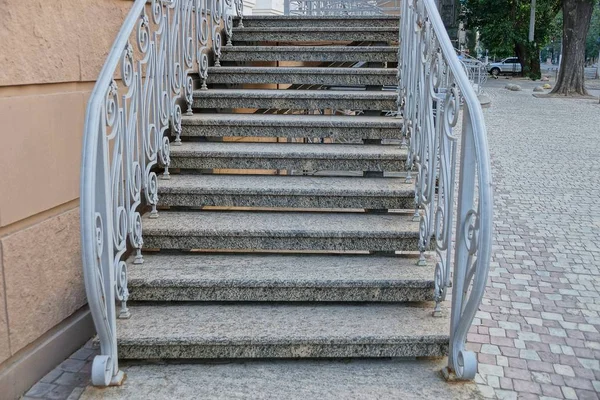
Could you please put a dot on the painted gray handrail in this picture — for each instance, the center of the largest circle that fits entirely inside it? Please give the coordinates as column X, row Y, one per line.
column 433, row 86
column 136, row 101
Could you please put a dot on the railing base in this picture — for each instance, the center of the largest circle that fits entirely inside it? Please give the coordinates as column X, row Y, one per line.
column 449, row 376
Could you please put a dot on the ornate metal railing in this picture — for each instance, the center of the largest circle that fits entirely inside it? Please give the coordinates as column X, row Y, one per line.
column 136, row 102
column 341, row 7
column 432, row 90
column 476, row 72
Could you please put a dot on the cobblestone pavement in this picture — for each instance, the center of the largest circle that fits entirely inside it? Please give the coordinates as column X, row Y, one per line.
column 68, row 380
column 537, row 331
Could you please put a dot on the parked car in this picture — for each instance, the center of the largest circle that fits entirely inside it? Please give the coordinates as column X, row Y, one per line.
column 509, row 65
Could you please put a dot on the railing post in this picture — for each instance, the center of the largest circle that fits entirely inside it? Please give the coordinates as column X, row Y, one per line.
column 460, row 360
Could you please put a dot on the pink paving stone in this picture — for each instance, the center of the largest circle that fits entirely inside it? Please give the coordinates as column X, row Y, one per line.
column 483, row 330
column 557, row 380
column 526, row 386
column 575, row 342
column 506, row 383
column 540, row 366
column 476, row 338
column 540, row 329
column 552, row 339
column 528, row 396
column 512, row 334
column 578, row 383
column 517, row 363
column 584, row 373
column 573, row 334
column 501, row 341
column 509, row 351
column 569, row 360
column 517, row 373
column 551, row 390
column 486, row 358
column 586, row 395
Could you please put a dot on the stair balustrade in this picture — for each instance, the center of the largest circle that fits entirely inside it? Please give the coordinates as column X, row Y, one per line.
column 147, row 82
column 138, row 97
column 433, row 87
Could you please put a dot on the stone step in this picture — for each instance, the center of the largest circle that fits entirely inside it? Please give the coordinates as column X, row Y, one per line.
column 343, row 127
column 316, row 34
column 239, row 277
column 298, row 156
column 301, row 379
column 310, row 231
column 236, row 331
column 251, row 21
column 304, row 76
column 295, row 99
column 310, row 53
column 286, row 191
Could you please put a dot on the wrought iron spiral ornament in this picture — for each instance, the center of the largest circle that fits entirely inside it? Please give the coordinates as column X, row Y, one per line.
column 99, row 235
column 228, row 23
column 217, row 15
column 433, row 92
column 136, row 105
column 121, row 291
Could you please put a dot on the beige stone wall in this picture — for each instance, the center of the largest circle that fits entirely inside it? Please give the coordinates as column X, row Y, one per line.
column 51, row 54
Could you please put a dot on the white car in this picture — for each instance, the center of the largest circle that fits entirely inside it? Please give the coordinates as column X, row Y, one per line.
column 509, row 65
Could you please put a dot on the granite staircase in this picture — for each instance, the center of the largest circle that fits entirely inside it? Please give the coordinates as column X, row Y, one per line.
column 270, row 244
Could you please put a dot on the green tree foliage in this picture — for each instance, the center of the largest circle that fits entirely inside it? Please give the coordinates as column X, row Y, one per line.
column 504, row 28
column 592, row 42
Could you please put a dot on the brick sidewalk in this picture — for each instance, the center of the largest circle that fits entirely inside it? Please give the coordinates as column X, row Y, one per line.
column 68, row 380
column 537, row 329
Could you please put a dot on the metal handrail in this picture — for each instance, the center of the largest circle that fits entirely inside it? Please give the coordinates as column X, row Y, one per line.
column 137, row 99
column 476, row 71
column 433, row 86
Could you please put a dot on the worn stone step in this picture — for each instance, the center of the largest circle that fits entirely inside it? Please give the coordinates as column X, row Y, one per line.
column 313, row 34
column 304, row 75
column 238, row 277
column 298, row 156
column 296, row 99
column 300, row 379
column 313, row 231
column 286, row 192
column 311, row 53
column 199, row 331
column 347, row 127
column 251, row 21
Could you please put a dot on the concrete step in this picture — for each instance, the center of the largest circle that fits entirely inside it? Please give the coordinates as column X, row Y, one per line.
column 355, row 379
column 316, row 34
column 286, row 192
column 235, row 331
column 304, row 75
column 312, row 156
column 295, row 99
column 311, row 231
column 251, row 21
column 346, row 127
column 239, row 277
column 310, row 53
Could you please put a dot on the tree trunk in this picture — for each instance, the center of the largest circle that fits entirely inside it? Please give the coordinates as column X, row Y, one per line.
column 576, row 22
column 529, row 58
